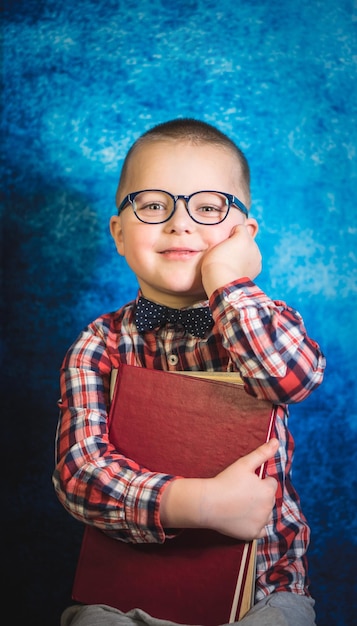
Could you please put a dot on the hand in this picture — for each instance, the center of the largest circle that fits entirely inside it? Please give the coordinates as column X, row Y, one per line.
column 236, row 502
column 231, row 259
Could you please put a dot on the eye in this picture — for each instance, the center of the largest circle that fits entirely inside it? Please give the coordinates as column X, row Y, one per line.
column 209, row 208
column 152, row 202
column 209, row 204
column 152, row 206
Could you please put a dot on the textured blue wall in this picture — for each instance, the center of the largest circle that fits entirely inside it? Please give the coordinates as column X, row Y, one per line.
column 82, row 79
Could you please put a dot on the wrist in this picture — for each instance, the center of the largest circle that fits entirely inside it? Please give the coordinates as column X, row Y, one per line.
column 215, row 277
column 181, row 503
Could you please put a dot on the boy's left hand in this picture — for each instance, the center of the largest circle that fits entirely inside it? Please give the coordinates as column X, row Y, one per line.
column 231, row 259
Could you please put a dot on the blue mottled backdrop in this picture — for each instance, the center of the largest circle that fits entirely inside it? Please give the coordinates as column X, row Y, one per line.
column 81, row 80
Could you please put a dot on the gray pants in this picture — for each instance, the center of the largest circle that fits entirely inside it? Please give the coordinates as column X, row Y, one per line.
column 278, row 609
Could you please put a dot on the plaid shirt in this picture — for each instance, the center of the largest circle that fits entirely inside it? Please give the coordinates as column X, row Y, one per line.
column 264, row 340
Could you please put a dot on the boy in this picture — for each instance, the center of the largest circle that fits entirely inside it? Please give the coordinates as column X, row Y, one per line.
column 191, row 251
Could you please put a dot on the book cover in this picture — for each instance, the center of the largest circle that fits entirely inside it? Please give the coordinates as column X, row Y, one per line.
column 194, row 426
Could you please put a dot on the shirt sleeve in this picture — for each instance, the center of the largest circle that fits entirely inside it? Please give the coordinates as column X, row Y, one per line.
column 93, row 482
column 267, row 342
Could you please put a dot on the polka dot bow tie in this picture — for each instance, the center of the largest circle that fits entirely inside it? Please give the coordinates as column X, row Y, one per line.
column 149, row 315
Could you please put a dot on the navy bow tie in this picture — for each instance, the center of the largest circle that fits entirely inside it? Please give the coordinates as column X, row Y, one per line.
column 149, row 315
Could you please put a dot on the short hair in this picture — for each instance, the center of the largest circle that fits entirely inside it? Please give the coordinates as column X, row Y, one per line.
column 196, row 132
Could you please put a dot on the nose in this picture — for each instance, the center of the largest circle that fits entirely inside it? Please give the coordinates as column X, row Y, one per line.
column 180, row 221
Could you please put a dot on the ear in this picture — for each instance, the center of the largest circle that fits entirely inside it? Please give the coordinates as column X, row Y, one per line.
column 252, row 226
column 116, row 231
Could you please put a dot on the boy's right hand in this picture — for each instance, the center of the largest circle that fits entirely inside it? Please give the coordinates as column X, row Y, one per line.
column 236, row 502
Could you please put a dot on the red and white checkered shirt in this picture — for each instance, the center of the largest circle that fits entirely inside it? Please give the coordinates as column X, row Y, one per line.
column 263, row 340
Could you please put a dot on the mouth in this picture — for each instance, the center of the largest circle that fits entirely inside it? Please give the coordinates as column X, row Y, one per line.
column 179, row 253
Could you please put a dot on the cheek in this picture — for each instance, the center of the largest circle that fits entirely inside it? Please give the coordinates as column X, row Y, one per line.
column 216, row 236
column 136, row 243
column 135, row 237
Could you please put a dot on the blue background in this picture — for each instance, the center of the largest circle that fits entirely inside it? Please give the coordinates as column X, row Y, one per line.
column 81, row 81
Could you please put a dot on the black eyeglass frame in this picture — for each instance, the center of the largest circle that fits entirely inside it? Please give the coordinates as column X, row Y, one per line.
column 232, row 201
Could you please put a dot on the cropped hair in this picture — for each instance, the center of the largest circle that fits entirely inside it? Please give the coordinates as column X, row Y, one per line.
column 194, row 131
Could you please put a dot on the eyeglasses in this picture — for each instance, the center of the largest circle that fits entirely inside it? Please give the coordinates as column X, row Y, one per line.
column 154, row 206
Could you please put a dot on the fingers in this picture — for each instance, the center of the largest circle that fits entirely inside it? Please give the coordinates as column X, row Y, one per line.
column 238, row 228
column 250, row 227
column 261, row 455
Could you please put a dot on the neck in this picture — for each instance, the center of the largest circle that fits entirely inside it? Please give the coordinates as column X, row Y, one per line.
column 173, row 301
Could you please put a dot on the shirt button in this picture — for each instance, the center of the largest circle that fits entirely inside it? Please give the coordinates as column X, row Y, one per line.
column 233, row 297
column 172, row 359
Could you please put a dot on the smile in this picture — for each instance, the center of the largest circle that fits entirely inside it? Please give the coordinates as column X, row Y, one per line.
column 179, row 253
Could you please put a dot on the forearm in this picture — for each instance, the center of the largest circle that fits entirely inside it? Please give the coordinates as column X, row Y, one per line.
column 268, row 343
column 95, row 483
column 100, row 487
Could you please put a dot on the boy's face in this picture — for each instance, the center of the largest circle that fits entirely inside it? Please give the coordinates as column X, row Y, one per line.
column 166, row 258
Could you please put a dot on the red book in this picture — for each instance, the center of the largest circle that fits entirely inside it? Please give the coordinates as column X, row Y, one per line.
column 193, row 426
